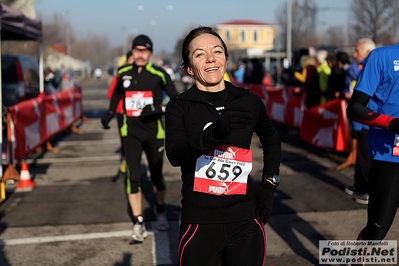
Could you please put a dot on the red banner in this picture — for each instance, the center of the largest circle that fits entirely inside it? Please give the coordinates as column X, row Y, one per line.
column 282, row 105
column 325, row 126
column 295, row 104
column 276, row 103
column 62, row 109
column 27, row 126
column 34, row 121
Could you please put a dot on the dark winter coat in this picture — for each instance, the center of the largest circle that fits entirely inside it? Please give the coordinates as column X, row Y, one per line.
column 186, row 140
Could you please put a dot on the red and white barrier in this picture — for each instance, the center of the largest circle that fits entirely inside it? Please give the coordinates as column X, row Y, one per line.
column 62, row 109
column 324, row 126
column 34, row 121
column 28, row 128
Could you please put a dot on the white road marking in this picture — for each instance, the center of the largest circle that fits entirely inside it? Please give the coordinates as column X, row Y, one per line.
column 75, row 160
column 160, row 245
column 74, row 237
column 88, row 142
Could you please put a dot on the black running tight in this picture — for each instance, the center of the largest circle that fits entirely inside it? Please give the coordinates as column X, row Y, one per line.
column 383, row 201
column 154, row 152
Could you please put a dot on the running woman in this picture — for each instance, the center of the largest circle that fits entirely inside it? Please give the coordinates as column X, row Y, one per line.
column 209, row 130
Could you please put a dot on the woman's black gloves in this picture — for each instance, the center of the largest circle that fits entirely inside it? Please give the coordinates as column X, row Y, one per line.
column 264, row 199
column 232, row 118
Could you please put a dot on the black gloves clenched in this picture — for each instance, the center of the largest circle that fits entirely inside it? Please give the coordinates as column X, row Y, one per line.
column 106, row 119
column 394, row 125
column 264, row 201
column 232, row 118
column 150, row 109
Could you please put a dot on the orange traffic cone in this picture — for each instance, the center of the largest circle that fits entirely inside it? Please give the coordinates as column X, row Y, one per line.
column 25, row 184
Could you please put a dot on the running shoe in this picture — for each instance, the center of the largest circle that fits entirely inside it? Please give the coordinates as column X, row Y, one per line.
column 350, row 190
column 139, row 232
column 161, row 222
column 362, row 198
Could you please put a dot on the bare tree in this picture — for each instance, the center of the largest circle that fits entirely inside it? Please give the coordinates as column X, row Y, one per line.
column 335, row 36
column 95, row 48
column 179, row 43
column 57, row 30
column 303, row 24
column 375, row 19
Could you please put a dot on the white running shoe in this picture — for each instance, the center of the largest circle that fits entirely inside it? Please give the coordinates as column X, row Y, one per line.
column 139, row 232
column 161, row 222
column 350, row 190
column 362, row 198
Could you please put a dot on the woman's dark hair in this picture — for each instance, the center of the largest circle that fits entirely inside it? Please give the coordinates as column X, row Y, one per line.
column 191, row 36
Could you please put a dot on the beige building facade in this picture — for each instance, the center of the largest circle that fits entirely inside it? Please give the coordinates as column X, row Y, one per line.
column 247, row 38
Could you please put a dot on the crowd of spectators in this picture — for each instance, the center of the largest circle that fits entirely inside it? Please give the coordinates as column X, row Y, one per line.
column 58, row 80
column 323, row 75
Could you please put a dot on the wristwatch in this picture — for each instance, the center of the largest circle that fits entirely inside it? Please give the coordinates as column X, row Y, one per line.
column 275, row 179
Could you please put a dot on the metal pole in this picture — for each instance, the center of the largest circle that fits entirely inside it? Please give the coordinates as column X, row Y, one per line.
column 289, row 31
column 68, row 41
column 41, row 67
column 1, row 117
column 278, row 59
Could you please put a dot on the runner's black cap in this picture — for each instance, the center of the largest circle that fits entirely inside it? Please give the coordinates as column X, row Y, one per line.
column 142, row 40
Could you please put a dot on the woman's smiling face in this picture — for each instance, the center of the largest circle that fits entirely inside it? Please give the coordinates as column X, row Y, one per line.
column 207, row 61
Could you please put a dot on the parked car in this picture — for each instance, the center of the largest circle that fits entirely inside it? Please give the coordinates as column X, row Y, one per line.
column 19, row 78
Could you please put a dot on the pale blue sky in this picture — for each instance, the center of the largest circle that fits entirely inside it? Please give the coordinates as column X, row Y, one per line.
column 165, row 21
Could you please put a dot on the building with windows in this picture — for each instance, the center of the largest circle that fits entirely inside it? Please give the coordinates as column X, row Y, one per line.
column 247, row 38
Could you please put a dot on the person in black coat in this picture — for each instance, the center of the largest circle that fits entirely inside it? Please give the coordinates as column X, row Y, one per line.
column 336, row 84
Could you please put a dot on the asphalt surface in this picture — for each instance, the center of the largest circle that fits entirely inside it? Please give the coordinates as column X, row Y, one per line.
column 78, row 212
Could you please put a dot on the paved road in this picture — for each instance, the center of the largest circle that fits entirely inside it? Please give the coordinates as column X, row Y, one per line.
column 78, row 213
